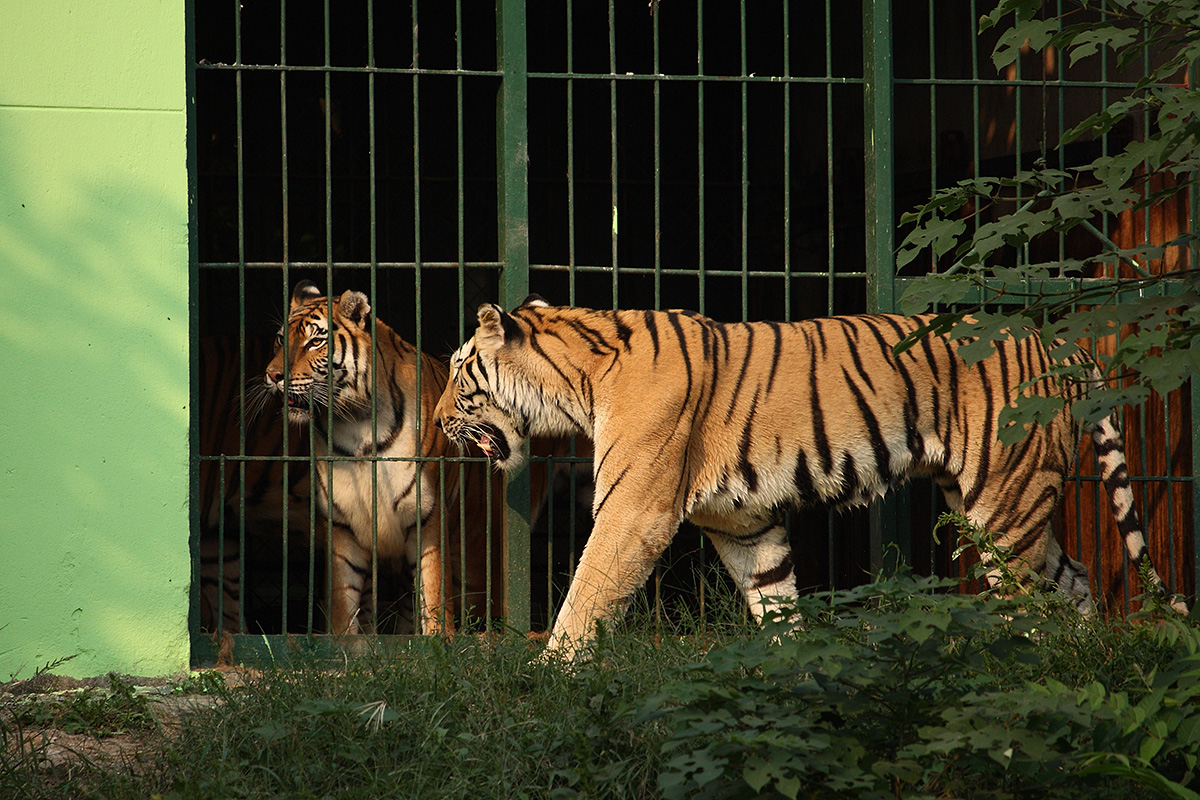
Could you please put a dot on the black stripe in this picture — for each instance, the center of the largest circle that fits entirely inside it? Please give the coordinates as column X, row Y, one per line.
column 537, row 348
column 778, row 573
column 624, row 332
column 747, row 469
column 916, row 444
column 775, row 331
column 986, row 438
column 883, row 456
column 648, row 317
column 850, row 484
column 596, row 340
column 927, row 347
column 513, row 332
column 818, row 417
column 816, row 326
column 611, row 487
column 855, row 352
column 802, row 479
column 737, row 388
column 673, row 318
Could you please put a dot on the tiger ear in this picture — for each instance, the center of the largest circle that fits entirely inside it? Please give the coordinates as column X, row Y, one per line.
column 490, row 334
column 534, row 300
column 305, row 292
column 354, row 308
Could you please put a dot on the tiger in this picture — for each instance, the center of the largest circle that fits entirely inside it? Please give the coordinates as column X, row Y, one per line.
column 345, row 437
column 729, row 425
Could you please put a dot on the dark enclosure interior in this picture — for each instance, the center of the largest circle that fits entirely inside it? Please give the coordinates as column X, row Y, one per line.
column 709, row 159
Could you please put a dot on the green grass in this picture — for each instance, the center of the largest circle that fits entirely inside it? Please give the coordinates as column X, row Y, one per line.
column 687, row 709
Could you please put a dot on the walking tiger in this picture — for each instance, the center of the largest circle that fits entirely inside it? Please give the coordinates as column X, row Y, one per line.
column 728, row 425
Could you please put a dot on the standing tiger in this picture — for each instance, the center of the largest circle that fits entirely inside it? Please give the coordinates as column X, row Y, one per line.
column 408, row 493
column 728, row 425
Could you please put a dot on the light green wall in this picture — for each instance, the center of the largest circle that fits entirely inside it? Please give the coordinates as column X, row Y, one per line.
column 93, row 337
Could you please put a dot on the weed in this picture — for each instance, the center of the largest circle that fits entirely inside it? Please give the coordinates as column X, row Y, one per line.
column 899, row 688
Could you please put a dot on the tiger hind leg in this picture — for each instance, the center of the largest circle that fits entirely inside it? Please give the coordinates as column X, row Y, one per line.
column 1015, row 506
column 1061, row 573
column 1067, row 577
column 761, row 564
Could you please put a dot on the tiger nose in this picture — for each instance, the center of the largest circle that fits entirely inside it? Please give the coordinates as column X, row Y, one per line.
column 275, row 376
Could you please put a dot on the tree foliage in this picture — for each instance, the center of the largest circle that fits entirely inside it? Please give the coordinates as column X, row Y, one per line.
column 983, row 225
column 899, row 689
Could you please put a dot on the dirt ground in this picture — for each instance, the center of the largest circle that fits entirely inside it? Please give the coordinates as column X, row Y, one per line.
column 59, row 752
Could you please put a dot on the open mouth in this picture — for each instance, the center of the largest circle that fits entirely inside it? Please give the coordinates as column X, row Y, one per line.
column 493, row 444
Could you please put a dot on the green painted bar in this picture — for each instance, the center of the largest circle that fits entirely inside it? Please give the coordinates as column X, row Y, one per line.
column 1194, row 384
column 193, row 619
column 889, row 517
column 513, row 186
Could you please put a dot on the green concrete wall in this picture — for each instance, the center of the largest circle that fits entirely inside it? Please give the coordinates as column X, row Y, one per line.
column 93, row 337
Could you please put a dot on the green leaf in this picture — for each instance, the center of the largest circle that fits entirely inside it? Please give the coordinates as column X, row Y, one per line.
column 940, row 234
column 932, row 291
column 1089, row 42
column 1037, row 32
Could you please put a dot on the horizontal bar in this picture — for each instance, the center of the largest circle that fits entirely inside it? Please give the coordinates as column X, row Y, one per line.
column 234, row 459
column 689, row 78
column 1168, row 287
column 1030, row 83
column 349, row 264
column 220, row 66
column 726, row 273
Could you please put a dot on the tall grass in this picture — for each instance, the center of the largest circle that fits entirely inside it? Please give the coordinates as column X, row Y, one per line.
column 482, row 718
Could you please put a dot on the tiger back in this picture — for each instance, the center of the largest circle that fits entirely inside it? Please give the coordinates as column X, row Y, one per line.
column 728, row 425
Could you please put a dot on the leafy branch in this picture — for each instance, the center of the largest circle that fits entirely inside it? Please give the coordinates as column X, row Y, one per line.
column 983, row 223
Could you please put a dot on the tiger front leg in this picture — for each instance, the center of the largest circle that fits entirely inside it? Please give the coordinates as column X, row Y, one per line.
column 436, row 577
column 616, row 561
column 351, row 568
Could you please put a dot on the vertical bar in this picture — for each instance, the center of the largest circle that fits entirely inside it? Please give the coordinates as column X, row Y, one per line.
column 417, row 465
column 241, row 350
column 193, row 336
column 1194, row 391
column 829, row 218
column 1193, row 384
column 612, row 132
column 657, row 165
column 787, row 151
column 830, row 231
column 513, row 208
column 700, row 149
column 329, row 378
column 219, row 619
column 745, row 221
column 460, row 199
column 879, row 146
column 570, row 165
column 889, row 516
column 374, row 290
column 1169, row 486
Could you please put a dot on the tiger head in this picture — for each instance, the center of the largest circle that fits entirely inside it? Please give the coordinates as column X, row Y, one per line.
column 483, row 400
column 299, row 373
